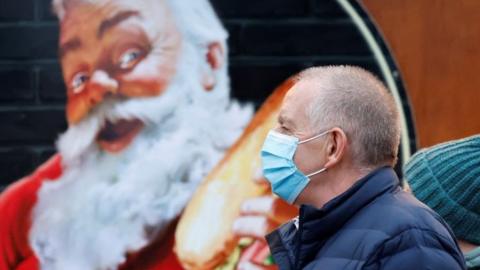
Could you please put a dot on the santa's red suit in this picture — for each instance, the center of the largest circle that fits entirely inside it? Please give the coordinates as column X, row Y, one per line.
column 16, row 205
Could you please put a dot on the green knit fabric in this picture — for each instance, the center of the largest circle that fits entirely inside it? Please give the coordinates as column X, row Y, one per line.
column 446, row 177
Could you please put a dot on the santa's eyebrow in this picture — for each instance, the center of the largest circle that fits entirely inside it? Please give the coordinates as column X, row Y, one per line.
column 115, row 20
column 71, row 45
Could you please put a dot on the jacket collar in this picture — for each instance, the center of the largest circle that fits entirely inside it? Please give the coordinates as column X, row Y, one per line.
column 321, row 223
column 316, row 226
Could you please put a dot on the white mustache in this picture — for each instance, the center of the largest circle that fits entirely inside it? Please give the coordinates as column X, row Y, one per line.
column 81, row 137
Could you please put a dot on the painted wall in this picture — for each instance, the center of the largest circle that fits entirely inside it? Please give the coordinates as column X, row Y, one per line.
column 269, row 40
column 436, row 44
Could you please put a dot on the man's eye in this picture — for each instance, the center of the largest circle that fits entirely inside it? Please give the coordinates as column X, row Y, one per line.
column 78, row 82
column 129, row 59
column 282, row 129
column 286, row 130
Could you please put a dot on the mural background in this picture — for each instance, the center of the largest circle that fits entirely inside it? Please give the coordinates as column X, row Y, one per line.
column 436, row 46
column 269, row 40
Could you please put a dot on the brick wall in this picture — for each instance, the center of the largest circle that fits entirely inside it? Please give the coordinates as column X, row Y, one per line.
column 269, row 40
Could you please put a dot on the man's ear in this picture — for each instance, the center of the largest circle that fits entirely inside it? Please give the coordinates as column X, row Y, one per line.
column 336, row 147
column 215, row 59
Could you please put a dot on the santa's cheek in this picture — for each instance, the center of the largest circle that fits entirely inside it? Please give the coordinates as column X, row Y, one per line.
column 147, row 79
column 77, row 108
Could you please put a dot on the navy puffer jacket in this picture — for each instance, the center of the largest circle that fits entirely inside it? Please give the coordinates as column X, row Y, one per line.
column 373, row 225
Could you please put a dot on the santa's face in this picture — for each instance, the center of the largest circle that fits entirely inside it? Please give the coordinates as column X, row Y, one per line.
column 119, row 49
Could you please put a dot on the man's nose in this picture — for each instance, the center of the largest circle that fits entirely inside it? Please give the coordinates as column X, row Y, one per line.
column 101, row 85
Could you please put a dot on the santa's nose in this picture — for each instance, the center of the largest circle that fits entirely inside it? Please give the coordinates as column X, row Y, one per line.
column 101, row 85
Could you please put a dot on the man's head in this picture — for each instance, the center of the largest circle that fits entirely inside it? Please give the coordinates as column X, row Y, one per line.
column 357, row 111
column 446, row 177
column 113, row 51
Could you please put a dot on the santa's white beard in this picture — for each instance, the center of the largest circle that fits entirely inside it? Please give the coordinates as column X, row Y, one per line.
column 103, row 204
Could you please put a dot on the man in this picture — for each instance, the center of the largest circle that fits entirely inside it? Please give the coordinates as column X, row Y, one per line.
column 446, row 177
column 149, row 115
column 332, row 153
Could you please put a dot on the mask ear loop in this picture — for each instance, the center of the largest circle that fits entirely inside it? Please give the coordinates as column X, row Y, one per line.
column 314, row 137
column 317, row 172
column 311, row 139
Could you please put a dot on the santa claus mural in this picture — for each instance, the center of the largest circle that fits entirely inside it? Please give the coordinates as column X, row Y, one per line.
column 149, row 117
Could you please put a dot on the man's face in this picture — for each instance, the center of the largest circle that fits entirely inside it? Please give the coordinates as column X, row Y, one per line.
column 294, row 121
column 123, row 49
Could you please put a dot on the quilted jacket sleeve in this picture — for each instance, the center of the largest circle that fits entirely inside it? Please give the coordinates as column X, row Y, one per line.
column 417, row 249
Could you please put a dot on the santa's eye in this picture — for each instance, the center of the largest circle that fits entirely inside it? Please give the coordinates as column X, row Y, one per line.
column 78, row 82
column 130, row 58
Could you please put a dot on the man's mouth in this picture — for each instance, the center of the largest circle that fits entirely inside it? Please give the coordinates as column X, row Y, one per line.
column 116, row 136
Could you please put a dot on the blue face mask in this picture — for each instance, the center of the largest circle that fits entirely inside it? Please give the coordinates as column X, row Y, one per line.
column 278, row 166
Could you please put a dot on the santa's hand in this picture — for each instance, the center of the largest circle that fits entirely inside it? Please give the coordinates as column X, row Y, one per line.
column 253, row 226
column 253, row 266
column 259, row 216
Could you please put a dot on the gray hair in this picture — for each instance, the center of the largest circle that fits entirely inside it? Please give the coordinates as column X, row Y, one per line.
column 356, row 101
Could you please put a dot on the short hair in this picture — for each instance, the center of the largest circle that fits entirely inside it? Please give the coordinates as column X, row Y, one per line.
column 356, row 101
